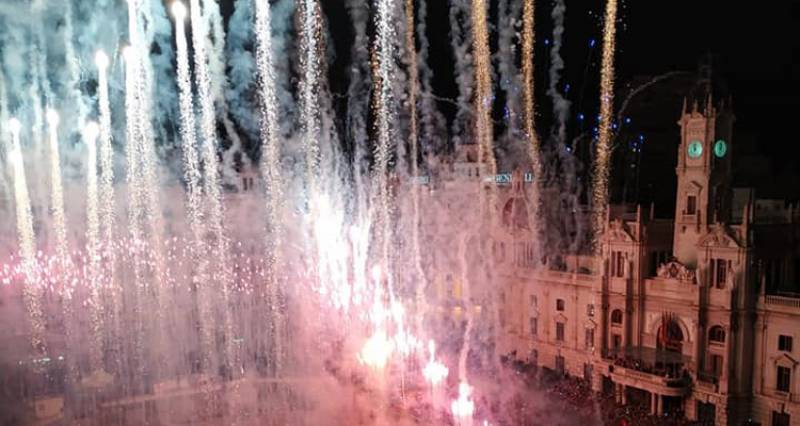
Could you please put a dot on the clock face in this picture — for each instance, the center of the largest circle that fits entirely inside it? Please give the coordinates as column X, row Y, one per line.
column 695, row 149
column 720, row 148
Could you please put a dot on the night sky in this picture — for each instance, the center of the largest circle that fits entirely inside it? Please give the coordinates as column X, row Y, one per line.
column 754, row 49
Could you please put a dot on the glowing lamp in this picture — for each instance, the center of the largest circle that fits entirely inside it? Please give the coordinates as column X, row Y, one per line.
column 52, row 117
column 14, row 125
column 90, row 131
column 178, row 10
column 101, row 60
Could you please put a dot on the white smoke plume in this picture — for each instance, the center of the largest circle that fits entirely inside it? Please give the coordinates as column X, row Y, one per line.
column 461, row 42
column 432, row 123
column 560, row 103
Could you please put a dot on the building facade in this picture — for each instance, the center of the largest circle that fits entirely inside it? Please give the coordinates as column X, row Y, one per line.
column 693, row 314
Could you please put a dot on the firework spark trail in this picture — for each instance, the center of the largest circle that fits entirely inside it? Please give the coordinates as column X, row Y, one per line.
column 483, row 88
column 211, row 175
column 603, row 150
column 90, row 133
column 215, row 41
column 106, row 186
column 560, row 104
column 309, row 87
column 138, row 120
column 57, row 189
column 74, row 64
column 270, row 168
column 4, row 189
column 27, row 243
column 38, row 147
column 466, row 299
column 484, row 135
column 420, row 282
column 385, row 59
column 529, row 117
column 191, row 163
column 508, row 74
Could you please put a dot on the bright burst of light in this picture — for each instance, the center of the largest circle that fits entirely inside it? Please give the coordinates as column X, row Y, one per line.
column 90, row 131
column 101, row 60
column 434, row 372
column 52, row 117
column 14, row 126
column 129, row 54
column 178, row 10
column 376, row 351
column 463, row 408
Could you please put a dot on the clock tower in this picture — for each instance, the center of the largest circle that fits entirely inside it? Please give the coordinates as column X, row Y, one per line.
column 704, row 175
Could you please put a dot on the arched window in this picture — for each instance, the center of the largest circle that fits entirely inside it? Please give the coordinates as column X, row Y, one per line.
column 716, row 334
column 559, row 304
column 616, row 317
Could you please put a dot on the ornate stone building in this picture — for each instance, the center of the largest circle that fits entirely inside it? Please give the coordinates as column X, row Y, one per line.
column 693, row 314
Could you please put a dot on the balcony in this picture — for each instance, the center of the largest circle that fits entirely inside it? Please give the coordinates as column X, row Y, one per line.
column 789, row 302
column 645, row 368
column 708, row 381
column 786, row 304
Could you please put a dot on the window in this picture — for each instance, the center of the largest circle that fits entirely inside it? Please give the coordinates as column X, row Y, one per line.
column 590, row 310
column 716, row 334
column 534, row 323
column 534, row 301
column 560, row 364
column 784, row 379
column 589, row 338
column 780, row 419
column 617, row 264
column 785, row 343
column 715, row 365
column 719, row 272
column 587, row 372
column 691, row 204
column 534, row 356
column 616, row 341
column 560, row 331
column 502, row 315
column 706, row 413
column 616, row 317
column 559, row 305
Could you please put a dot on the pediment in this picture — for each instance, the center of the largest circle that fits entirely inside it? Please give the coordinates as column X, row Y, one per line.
column 719, row 236
column 675, row 270
column 618, row 231
column 561, row 317
column 590, row 324
column 785, row 360
column 694, row 188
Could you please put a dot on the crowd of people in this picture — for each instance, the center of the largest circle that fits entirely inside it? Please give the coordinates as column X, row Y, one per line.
column 576, row 397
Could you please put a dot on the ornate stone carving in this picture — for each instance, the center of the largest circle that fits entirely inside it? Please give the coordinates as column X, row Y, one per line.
column 719, row 236
column 618, row 231
column 677, row 271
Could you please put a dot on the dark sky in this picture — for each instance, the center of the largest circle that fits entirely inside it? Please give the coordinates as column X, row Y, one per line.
column 757, row 52
column 756, row 47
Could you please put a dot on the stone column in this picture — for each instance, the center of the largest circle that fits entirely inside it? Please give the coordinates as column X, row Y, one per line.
column 653, row 403
column 597, row 381
column 623, row 395
column 659, row 405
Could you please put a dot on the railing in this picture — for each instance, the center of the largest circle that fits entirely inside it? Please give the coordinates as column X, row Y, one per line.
column 653, row 377
column 707, row 377
column 789, row 302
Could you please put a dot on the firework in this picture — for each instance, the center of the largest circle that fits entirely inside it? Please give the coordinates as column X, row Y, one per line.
column 603, row 151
